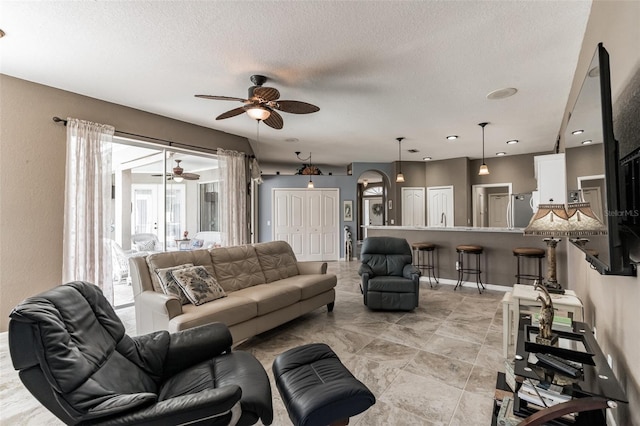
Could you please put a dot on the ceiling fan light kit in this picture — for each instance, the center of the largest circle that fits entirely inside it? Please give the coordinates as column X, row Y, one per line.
column 484, row 169
column 263, row 104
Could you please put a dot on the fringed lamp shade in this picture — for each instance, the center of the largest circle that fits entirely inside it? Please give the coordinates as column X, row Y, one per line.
column 551, row 220
column 583, row 221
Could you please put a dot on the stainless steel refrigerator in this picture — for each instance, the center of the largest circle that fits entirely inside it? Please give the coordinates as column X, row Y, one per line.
column 519, row 210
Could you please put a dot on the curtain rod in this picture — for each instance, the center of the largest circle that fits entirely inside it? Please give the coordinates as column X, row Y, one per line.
column 162, row 141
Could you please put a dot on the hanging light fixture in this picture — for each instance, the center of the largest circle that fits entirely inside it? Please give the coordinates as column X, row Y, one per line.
column 399, row 176
column 310, row 184
column 484, row 170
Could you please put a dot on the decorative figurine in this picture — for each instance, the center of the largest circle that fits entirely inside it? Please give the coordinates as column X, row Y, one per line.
column 348, row 244
column 545, row 336
column 186, row 235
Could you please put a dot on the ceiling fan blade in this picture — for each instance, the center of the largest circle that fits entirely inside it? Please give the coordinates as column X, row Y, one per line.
column 296, row 107
column 274, row 120
column 266, row 93
column 190, row 176
column 231, row 113
column 220, row 98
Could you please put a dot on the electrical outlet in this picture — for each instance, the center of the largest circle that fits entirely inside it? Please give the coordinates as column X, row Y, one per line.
column 268, row 223
column 393, row 221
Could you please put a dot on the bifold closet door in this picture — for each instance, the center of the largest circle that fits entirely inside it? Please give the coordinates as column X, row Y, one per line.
column 308, row 220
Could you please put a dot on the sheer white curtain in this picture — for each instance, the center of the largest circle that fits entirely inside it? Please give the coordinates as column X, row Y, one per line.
column 87, row 205
column 233, row 177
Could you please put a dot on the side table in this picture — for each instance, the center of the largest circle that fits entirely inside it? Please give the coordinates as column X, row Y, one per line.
column 524, row 298
column 183, row 244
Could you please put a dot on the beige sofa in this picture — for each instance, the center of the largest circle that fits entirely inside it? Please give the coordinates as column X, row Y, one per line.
column 265, row 285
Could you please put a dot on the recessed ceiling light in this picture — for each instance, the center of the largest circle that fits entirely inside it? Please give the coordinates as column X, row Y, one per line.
column 452, row 137
column 500, row 154
column 577, row 132
column 512, row 142
column 426, row 158
column 502, row 93
column 587, row 142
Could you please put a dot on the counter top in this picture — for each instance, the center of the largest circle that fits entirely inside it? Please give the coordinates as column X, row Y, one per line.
column 449, row 229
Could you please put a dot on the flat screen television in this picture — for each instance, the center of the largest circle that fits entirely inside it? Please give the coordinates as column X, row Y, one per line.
column 593, row 169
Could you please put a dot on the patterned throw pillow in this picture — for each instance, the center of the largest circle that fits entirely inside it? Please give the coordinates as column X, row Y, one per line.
column 149, row 245
column 198, row 285
column 169, row 284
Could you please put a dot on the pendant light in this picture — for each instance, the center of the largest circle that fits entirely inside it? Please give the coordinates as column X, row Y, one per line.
column 399, row 176
column 484, row 170
column 310, row 184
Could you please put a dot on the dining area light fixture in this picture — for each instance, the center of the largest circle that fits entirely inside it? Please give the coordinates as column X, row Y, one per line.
column 484, row 170
column 258, row 112
column 399, row 176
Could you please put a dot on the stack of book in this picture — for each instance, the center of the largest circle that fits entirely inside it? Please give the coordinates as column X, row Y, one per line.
column 541, row 395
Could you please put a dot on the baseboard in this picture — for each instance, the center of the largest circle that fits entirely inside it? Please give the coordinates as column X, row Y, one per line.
column 447, row 281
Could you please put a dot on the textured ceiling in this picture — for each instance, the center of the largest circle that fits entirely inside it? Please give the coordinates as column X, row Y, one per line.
column 377, row 70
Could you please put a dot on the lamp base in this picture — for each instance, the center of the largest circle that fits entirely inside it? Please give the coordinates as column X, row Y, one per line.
column 551, row 341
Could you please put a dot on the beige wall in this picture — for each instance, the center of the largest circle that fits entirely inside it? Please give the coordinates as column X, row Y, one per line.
column 517, row 169
column 583, row 161
column 612, row 303
column 32, row 168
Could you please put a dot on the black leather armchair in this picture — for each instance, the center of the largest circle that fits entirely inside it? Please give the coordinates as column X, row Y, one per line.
column 75, row 358
column 389, row 280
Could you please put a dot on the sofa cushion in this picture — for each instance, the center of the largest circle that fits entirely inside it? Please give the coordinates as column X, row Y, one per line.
column 198, row 285
column 169, row 284
column 271, row 297
column 310, row 285
column 173, row 258
column 277, row 260
column 236, row 267
column 229, row 310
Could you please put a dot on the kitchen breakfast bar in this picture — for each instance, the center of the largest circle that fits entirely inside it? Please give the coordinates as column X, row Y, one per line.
column 498, row 264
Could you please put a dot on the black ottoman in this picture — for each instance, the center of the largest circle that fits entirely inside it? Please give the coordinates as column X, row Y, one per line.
column 317, row 389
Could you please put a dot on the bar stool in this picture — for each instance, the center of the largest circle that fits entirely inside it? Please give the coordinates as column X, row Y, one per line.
column 469, row 249
column 425, row 263
column 529, row 253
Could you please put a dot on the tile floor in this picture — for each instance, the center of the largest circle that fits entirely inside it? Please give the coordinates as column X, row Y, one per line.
column 434, row 366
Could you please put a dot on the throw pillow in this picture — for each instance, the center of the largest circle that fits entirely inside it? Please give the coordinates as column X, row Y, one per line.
column 198, row 285
column 169, row 284
column 149, row 245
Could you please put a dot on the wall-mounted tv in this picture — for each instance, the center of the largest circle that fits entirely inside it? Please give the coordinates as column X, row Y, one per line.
column 593, row 167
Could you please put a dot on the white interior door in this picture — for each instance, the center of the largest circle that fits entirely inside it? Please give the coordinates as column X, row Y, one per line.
column 498, row 204
column 313, row 225
column 308, row 219
column 288, row 219
column 412, row 206
column 440, row 206
column 330, row 230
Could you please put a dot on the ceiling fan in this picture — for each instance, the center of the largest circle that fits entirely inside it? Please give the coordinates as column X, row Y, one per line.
column 263, row 104
column 179, row 175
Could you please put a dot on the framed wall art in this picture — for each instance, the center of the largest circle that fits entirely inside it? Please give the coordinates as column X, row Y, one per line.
column 347, row 210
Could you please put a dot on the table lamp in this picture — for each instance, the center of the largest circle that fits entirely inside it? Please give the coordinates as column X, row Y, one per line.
column 552, row 221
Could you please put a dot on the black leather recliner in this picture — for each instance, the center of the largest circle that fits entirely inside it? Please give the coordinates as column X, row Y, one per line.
column 389, row 280
column 75, row 358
